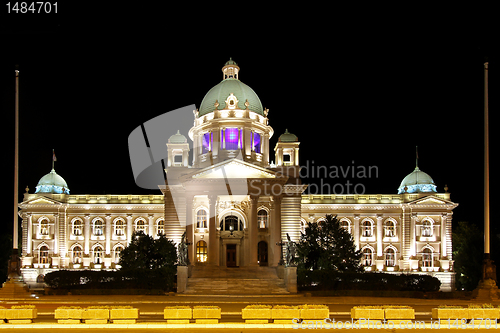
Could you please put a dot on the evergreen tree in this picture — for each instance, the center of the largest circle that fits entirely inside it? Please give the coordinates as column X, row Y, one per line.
column 468, row 243
column 145, row 252
column 326, row 245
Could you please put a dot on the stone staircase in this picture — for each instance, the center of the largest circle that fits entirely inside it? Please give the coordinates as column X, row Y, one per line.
column 213, row 280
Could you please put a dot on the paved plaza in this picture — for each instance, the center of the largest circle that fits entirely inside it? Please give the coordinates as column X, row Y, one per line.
column 151, row 311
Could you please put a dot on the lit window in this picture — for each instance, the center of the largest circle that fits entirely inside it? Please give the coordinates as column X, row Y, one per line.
column 118, row 252
column 43, row 255
column 141, row 226
column 367, row 229
column 427, row 228
column 201, row 219
column 44, row 227
column 231, row 138
column 262, row 218
column 256, row 143
column 119, row 228
column 345, row 225
column 427, row 257
column 98, row 252
column 390, row 257
column 77, row 254
column 389, row 229
column 201, row 251
column 367, row 257
column 97, row 228
column 77, row 227
column 206, row 143
column 160, row 227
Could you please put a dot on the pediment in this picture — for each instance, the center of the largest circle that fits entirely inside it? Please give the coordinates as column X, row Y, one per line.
column 41, row 201
column 430, row 200
column 233, row 168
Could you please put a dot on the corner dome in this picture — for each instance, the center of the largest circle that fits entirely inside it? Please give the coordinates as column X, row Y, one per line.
column 52, row 183
column 216, row 97
column 288, row 137
column 417, row 182
column 177, row 138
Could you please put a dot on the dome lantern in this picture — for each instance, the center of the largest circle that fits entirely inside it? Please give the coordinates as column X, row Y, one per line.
column 230, row 70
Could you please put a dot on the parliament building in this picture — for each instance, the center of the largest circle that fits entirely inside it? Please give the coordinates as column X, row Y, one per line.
column 235, row 202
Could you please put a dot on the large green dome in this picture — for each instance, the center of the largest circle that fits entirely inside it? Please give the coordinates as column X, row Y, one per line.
column 230, row 85
column 223, row 90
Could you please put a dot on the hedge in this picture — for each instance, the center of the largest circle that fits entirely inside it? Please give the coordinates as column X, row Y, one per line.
column 331, row 280
column 162, row 279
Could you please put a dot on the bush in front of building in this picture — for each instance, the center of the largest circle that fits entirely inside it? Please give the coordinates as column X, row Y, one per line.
column 154, row 279
column 332, row 280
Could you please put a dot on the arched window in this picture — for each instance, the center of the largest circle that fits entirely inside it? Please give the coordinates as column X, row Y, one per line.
column 390, row 257
column 201, row 251
column 345, row 225
column 262, row 218
column 43, row 257
column 117, row 252
column 367, row 229
column 426, row 228
column 44, row 227
column 76, row 253
column 367, row 257
column 98, row 228
column 98, row 254
column 141, row 226
column 160, row 227
column 230, row 223
column 119, row 227
column 427, row 257
column 389, row 228
column 77, row 228
column 201, row 219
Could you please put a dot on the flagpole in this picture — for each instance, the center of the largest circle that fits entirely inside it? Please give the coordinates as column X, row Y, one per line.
column 486, row 168
column 16, row 168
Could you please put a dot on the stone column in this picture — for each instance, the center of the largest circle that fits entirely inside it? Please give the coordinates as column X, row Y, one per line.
column 356, row 231
column 86, row 234
column 413, row 238
column 130, row 228
column 151, row 227
column 29, row 242
column 275, row 228
column 189, row 228
column 253, row 230
column 443, row 234
column 108, row 234
column 213, row 244
column 379, row 236
column 56, row 233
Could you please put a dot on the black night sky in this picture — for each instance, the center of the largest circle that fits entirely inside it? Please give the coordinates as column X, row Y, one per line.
column 351, row 89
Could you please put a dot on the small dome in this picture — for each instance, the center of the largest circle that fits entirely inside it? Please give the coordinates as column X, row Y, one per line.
column 177, row 138
column 288, row 137
column 417, row 182
column 52, row 183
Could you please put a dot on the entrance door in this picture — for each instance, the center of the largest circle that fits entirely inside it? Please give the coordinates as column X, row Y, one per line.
column 231, row 255
column 262, row 253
